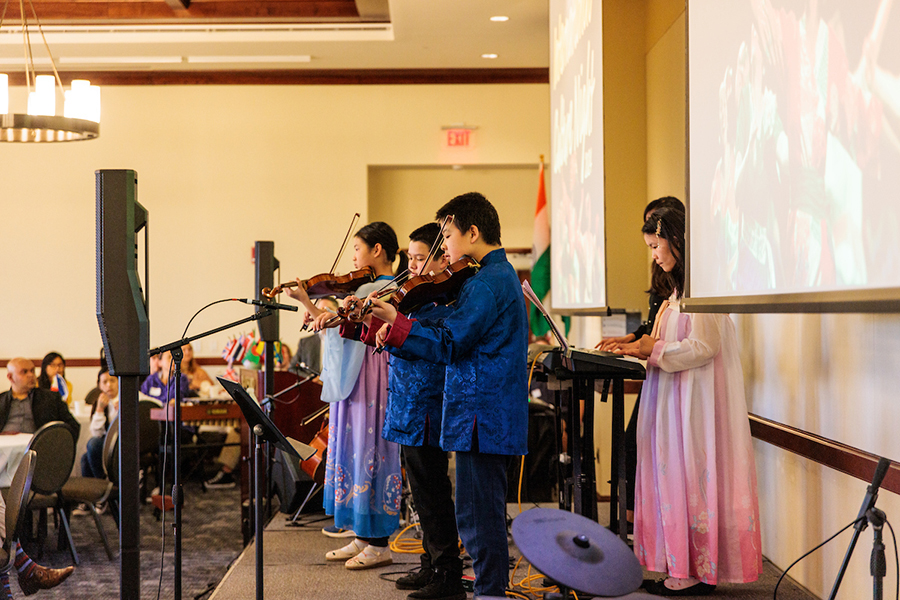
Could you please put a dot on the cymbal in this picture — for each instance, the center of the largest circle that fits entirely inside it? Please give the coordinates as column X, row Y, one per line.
column 579, row 553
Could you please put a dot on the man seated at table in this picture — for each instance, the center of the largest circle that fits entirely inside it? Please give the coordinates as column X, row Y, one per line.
column 42, row 406
column 25, row 408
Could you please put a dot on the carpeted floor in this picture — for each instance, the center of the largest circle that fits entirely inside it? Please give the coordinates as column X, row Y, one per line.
column 211, row 541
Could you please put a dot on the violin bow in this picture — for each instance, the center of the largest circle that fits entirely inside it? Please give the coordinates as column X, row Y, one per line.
column 437, row 242
column 344, row 245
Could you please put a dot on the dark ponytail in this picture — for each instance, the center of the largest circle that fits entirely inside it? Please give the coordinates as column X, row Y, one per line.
column 380, row 232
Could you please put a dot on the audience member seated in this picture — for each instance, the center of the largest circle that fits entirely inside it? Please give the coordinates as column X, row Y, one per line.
column 194, row 372
column 229, row 457
column 157, row 385
column 25, row 408
column 309, row 348
column 30, row 410
column 286, row 357
column 91, row 398
column 102, row 414
column 53, row 376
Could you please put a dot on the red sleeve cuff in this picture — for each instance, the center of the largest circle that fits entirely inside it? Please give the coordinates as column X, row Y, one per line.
column 658, row 348
column 350, row 330
column 368, row 333
column 399, row 331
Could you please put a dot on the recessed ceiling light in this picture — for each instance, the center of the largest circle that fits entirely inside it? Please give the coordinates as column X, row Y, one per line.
column 488, row 56
column 499, row 18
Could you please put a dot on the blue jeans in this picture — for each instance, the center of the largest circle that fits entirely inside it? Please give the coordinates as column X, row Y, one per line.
column 481, row 518
column 92, row 460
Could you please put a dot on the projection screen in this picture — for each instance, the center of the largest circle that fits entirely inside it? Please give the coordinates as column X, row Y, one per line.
column 577, row 249
column 794, row 156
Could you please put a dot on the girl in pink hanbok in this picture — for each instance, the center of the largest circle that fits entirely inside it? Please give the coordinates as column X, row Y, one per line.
column 696, row 507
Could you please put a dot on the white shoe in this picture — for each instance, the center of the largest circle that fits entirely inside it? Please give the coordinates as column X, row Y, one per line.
column 369, row 558
column 348, row 551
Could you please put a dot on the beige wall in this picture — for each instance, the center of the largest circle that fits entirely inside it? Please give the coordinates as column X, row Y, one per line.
column 827, row 374
column 408, row 197
column 218, row 168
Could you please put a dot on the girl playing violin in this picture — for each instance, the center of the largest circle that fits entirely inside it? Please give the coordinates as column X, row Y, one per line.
column 362, row 470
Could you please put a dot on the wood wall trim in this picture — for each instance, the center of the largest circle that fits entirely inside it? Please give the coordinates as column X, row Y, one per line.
column 835, row 455
column 838, row 456
column 208, row 361
column 306, row 77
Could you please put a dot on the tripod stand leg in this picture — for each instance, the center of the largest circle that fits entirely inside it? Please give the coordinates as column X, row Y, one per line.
column 315, row 488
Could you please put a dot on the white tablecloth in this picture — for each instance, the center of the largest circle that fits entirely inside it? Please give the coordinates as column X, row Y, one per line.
column 12, row 449
column 84, row 434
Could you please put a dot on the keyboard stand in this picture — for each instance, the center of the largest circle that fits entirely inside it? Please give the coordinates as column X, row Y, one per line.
column 572, row 376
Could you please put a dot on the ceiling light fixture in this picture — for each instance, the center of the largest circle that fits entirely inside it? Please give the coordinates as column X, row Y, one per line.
column 488, row 56
column 499, row 19
column 40, row 123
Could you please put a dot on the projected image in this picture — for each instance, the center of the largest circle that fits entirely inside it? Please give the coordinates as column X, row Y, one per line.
column 577, row 249
column 795, row 155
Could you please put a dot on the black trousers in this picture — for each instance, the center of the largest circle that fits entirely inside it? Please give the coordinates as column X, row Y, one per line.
column 426, row 470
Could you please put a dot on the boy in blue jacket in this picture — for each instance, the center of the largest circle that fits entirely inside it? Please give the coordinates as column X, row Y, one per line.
column 483, row 342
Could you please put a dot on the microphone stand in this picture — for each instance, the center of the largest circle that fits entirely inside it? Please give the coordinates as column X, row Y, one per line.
column 862, row 521
column 177, row 496
column 877, row 564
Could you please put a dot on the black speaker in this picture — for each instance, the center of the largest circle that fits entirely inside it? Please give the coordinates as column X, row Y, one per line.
column 122, row 307
column 291, row 484
column 266, row 263
column 539, row 479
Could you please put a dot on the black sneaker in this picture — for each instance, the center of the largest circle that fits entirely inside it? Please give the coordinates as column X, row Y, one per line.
column 443, row 586
column 415, row 579
column 221, row 480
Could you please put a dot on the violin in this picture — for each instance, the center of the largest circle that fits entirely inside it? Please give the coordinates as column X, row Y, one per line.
column 327, row 284
column 420, row 290
column 440, row 287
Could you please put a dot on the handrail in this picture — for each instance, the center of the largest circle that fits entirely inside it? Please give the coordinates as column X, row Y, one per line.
column 836, row 455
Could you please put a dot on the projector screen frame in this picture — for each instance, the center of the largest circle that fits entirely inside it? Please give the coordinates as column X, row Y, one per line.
column 856, row 300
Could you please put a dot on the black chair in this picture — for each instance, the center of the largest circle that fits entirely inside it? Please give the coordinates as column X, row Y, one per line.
column 54, row 444
column 92, row 490
column 16, row 499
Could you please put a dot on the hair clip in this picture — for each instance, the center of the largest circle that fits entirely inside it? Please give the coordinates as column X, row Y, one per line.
column 658, row 227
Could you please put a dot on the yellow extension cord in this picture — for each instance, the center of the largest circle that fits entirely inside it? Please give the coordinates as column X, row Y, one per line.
column 408, row 545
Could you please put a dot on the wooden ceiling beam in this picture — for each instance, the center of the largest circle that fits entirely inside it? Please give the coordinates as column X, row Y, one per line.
column 51, row 12
column 306, row 77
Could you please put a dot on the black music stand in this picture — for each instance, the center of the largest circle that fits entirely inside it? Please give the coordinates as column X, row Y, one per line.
column 263, row 430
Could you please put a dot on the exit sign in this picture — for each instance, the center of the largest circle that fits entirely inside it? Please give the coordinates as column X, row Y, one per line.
column 459, row 138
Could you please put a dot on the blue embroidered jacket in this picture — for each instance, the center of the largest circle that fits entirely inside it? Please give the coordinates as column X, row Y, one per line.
column 415, row 387
column 415, row 394
column 484, row 343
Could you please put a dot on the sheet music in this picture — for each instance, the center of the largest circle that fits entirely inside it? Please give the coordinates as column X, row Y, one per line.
column 532, row 297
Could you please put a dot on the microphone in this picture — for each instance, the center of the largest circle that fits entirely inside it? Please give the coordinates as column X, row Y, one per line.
column 309, row 371
column 872, row 493
column 266, row 304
